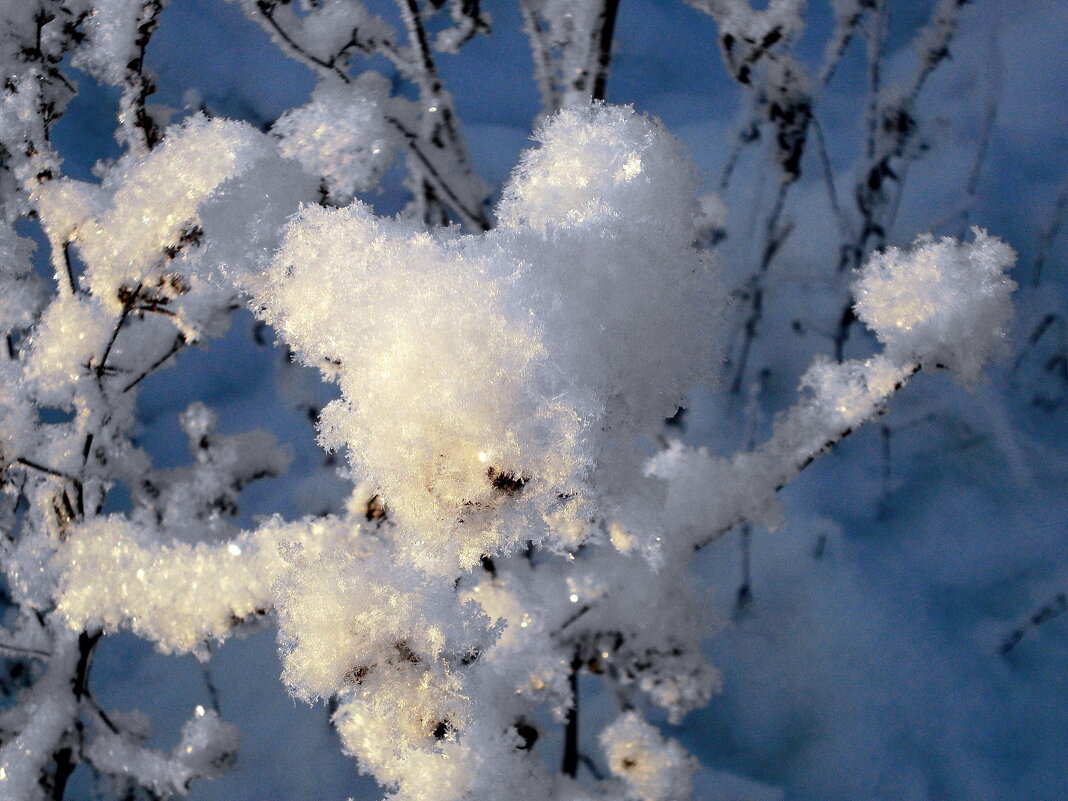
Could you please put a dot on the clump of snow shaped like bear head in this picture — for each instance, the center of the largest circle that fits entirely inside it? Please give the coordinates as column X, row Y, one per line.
column 486, row 377
column 943, row 303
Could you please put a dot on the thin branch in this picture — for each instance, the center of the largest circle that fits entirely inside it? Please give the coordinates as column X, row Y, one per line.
column 1050, row 233
column 48, row 470
column 788, row 472
column 126, row 308
column 774, row 237
column 838, row 44
column 844, row 227
column 72, row 282
column 298, row 51
column 179, row 342
column 876, row 43
column 413, row 22
column 574, row 618
column 477, row 220
column 605, row 34
column 21, row 649
column 570, row 762
column 1045, row 613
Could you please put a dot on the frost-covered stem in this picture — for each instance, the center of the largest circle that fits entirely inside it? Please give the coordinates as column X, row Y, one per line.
column 425, row 71
column 572, row 50
column 471, row 215
column 793, row 447
column 437, row 119
column 932, row 42
column 139, row 131
column 891, row 128
column 845, row 27
column 65, row 756
column 539, row 49
column 438, row 133
column 25, row 758
column 269, row 21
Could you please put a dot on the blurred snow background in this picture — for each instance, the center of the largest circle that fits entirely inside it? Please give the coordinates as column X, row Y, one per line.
column 873, row 658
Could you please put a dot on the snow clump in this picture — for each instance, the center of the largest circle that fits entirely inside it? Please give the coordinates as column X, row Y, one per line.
column 652, row 767
column 942, row 304
column 342, row 135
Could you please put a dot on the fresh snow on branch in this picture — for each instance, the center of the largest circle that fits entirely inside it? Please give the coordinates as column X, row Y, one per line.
column 518, row 517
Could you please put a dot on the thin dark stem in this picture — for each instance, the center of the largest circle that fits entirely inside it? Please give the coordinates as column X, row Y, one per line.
column 744, row 596
column 1049, row 235
column 72, row 282
column 828, row 177
column 574, row 617
column 876, row 43
column 571, row 732
column 20, row 649
column 774, row 237
column 127, row 306
column 45, row 469
column 1048, row 611
column 303, row 54
column 604, row 48
column 591, row 766
column 476, row 219
column 179, row 341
